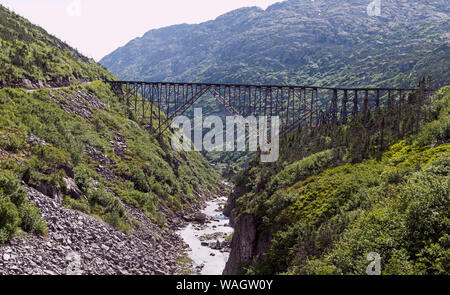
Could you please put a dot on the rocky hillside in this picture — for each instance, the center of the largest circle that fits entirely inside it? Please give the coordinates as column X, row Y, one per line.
column 322, row 42
column 82, row 183
column 102, row 250
column 31, row 58
column 80, row 148
column 377, row 184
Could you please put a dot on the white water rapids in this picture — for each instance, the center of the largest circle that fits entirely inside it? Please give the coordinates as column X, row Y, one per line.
column 205, row 260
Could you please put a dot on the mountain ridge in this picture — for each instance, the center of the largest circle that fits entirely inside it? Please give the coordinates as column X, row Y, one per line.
column 328, row 43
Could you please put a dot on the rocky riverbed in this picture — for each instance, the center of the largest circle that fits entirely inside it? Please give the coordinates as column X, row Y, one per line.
column 208, row 239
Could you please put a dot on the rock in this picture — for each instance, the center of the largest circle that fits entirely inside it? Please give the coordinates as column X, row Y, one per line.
column 159, row 272
column 200, row 218
column 216, row 246
column 6, row 257
column 188, row 218
column 50, row 190
column 244, row 240
column 59, row 238
column 79, row 103
column 33, row 140
column 27, row 84
column 99, row 157
column 72, row 189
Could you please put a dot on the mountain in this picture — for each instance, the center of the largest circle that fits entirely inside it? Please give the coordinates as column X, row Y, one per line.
column 323, row 42
column 80, row 176
column 32, row 58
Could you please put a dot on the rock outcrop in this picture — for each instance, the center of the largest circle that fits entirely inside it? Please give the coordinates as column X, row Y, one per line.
column 243, row 243
column 247, row 245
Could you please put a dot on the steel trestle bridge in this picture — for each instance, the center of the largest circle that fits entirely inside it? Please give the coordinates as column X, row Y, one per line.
column 161, row 102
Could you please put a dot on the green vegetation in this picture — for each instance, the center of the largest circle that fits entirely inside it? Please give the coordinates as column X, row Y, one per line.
column 80, row 144
column 378, row 183
column 29, row 52
column 344, row 195
column 16, row 214
column 145, row 173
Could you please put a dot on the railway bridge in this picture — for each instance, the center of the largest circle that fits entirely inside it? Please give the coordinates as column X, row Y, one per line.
column 161, row 102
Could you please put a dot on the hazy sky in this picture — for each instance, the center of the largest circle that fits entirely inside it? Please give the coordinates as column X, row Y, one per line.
column 97, row 27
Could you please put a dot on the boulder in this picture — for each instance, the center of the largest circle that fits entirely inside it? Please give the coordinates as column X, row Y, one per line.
column 51, row 191
column 72, row 189
column 200, row 218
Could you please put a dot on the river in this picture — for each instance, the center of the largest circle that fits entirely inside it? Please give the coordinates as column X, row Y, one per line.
column 207, row 261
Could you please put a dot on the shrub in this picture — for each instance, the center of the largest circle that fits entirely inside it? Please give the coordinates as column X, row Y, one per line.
column 301, row 170
column 10, row 188
column 79, row 205
column 114, row 219
column 428, row 211
column 15, row 143
column 108, row 207
column 9, row 220
column 31, row 219
column 83, row 177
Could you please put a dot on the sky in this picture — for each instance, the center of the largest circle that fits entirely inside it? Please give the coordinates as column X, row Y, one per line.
column 98, row 27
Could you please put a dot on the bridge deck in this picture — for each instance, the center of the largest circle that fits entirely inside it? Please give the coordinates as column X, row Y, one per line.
column 161, row 102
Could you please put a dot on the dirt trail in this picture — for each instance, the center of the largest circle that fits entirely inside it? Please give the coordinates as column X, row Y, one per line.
column 57, row 88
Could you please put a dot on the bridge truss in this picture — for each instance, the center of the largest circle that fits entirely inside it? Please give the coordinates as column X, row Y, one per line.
column 161, row 102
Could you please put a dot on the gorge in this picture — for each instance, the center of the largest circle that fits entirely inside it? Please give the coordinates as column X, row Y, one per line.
column 88, row 187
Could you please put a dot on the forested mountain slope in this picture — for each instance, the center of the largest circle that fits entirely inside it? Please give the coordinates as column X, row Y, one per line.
column 377, row 184
column 302, row 42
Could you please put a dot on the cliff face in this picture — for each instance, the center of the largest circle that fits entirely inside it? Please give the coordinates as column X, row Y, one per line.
column 243, row 244
column 301, row 42
column 247, row 246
